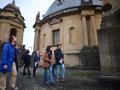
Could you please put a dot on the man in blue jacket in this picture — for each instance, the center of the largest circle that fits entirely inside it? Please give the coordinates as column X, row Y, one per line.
column 7, row 62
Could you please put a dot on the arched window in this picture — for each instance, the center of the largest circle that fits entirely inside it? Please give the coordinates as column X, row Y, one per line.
column 44, row 40
column 16, row 14
column 72, row 35
column 13, row 32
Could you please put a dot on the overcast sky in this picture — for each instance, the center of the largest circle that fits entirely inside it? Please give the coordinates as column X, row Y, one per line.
column 29, row 9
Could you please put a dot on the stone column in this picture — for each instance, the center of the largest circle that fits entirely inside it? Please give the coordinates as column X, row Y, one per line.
column 39, row 40
column 62, row 35
column 93, row 32
column 2, row 32
column 19, row 36
column 22, row 34
column 5, row 32
column 85, row 36
column 35, row 40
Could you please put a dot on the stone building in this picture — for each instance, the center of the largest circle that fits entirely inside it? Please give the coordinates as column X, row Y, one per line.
column 109, row 38
column 115, row 4
column 73, row 23
column 11, row 23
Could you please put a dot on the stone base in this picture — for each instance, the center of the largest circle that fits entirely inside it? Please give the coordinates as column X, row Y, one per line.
column 110, row 79
column 72, row 59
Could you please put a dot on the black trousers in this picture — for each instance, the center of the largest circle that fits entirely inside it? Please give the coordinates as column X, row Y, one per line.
column 34, row 68
column 24, row 70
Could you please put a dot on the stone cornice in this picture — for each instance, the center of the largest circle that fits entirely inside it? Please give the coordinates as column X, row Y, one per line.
column 70, row 11
column 36, row 24
column 14, row 19
column 12, row 12
column 54, row 21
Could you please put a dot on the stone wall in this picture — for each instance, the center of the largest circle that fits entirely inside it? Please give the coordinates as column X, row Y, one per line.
column 109, row 46
column 89, row 56
column 72, row 59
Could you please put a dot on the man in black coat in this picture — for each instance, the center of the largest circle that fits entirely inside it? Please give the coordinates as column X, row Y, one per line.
column 27, row 61
column 59, row 62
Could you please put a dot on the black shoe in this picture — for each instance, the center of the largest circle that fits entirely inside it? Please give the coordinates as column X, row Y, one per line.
column 46, row 83
column 34, row 76
column 52, row 84
column 62, row 80
column 21, row 73
column 30, row 76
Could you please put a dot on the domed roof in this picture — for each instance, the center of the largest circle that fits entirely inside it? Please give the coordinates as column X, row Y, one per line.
column 58, row 5
column 14, row 13
column 12, row 7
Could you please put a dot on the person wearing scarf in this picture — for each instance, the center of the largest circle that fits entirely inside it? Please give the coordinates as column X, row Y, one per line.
column 48, row 66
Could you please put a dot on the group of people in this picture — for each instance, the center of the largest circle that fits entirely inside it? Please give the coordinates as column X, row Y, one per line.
column 52, row 64
column 9, row 64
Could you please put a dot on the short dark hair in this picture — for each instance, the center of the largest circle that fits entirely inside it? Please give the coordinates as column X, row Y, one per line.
column 48, row 48
column 59, row 45
column 11, row 38
column 23, row 46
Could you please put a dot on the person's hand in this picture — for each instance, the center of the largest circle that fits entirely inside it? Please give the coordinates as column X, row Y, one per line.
column 51, row 60
column 5, row 67
column 61, row 59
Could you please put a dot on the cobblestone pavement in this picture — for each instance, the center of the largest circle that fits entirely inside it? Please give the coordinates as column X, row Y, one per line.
column 75, row 79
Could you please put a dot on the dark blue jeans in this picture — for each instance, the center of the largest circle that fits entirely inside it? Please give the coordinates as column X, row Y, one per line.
column 48, row 76
column 62, row 70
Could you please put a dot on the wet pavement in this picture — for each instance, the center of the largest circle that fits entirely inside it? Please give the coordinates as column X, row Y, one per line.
column 75, row 79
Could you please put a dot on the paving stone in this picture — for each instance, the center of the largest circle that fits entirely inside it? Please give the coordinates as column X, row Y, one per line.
column 74, row 80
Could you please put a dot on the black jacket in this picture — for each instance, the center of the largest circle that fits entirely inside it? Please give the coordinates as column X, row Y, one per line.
column 58, row 56
column 27, row 60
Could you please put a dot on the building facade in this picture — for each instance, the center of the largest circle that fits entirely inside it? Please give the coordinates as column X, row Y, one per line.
column 72, row 23
column 11, row 23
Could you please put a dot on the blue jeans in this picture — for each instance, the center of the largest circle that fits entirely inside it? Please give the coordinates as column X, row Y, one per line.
column 48, row 76
column 58, row 70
